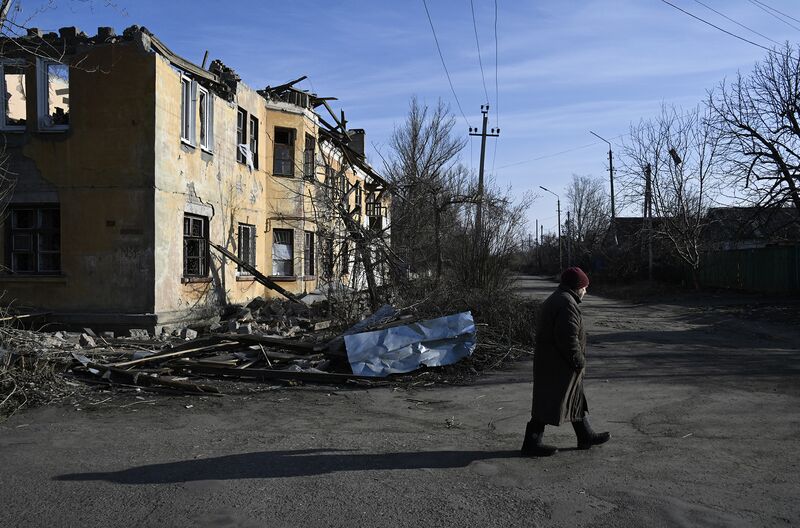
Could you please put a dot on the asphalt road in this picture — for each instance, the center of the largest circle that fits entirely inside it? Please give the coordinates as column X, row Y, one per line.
column 703, row 408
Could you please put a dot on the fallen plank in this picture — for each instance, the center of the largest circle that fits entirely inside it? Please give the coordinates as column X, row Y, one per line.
column 271, row 374
column 279, row 342
column 146, row 380
column 23, row 316
column 175, row 354
column 257, row 275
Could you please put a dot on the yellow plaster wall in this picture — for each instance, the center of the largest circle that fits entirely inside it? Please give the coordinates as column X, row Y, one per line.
column 233, row 192
column 102, row 171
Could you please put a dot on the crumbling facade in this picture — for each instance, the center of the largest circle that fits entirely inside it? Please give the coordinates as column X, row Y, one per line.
column 130, row 163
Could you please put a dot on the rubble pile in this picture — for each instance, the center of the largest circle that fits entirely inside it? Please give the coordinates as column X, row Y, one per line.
column 266, row 340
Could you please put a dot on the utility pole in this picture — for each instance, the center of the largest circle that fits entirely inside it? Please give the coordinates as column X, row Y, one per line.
column 558, row 206
column 537, row 232
column 483, row 134
column 541, row 239
column 569, row 242
column 611, row 178
column 648, row 215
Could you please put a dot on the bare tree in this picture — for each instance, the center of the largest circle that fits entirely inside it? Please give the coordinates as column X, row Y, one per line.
column 428, row 179
column 680, row 152
column 590, row 206
column 758, row 118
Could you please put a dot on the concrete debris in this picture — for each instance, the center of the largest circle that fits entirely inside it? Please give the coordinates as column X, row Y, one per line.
column 138, row 333
column 87, row 340
column 188, row 333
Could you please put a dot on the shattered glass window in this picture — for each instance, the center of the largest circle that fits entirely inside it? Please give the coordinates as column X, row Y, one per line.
column 15, row 98
column 308, row 254
column 254, row 140
column 284, row 152
column 247, row 246
column 195, row 246
column 283, row 252
column 57, row 76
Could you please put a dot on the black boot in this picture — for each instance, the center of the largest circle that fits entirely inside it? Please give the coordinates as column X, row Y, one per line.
column 532, row 445
column 586, row 436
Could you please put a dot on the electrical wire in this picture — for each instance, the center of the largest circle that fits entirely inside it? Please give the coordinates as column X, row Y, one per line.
column 781, row 12
column 478, row 44
column 560, row 152
column 715, row 26
column 723, row 15
column 496, row 83
column 769, row 10
column 439, row 49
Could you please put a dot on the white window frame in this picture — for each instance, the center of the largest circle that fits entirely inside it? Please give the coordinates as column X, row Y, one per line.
column 43, row 96
column 188, row 113
column 251, row 247
column 3, row 124
column 208, row 115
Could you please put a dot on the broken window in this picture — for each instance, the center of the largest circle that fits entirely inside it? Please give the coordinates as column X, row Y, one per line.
column 187, row 110
column 308, row 158
column 14, row 95
column 284, row 152
column 283, row 252
column 358, row 195
column 345, row 257
column 195, row 246
column 247, row 246
column 308, row 254
column 254, row 140
column 35, row 239
column 53, row 95
column 241, row 133
column 205, row 102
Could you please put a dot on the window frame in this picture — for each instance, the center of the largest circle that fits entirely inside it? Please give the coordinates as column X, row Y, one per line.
column 17, row 63
column 253, row 138
column 251, row 258
column 205, row 106
column 309, row 161
column 43, row 96
column 188, row 110
column 34, row 235
column 309, row 254
column 241, row 134
column 290, row 146
column 276, row 271
column 203, row 256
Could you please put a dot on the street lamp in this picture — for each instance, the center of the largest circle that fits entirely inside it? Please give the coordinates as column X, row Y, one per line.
column 611, row 178
column 558, row 205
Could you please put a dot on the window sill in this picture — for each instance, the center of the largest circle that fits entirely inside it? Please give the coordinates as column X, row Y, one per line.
column 187, row 280
column 188, row 143
column 309, row 277
column 283, row 175
column 207, row 150
column 283, row 278
column 16, row 130
column 245, row 278
column 20, row 277
column 54, row 130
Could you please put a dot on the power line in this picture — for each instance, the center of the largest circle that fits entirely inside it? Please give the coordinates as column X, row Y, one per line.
column 496, row 88
column 559, row 153
column 449, row 80
column 781, row 12
column 716, row 27
column 478, row 44
column 496, row 84
column 769, row 10
column 737, row 23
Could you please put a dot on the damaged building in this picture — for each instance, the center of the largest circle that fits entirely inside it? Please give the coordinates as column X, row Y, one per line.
column 129, row 165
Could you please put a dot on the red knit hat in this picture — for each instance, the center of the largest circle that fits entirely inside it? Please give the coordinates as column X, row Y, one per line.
column 574, row 278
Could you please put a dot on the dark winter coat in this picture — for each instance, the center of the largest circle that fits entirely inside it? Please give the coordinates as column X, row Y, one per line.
column 559, row 360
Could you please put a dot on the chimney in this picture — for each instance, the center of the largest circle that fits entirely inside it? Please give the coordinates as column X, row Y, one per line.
column 105, row 33
column 356, row 142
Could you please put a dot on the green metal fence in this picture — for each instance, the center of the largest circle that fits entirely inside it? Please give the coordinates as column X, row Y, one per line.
column 769, row 269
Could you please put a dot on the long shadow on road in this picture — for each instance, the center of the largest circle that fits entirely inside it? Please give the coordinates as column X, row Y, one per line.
column 284, row 464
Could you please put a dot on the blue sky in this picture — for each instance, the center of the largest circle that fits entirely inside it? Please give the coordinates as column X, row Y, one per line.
column 563, row 67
